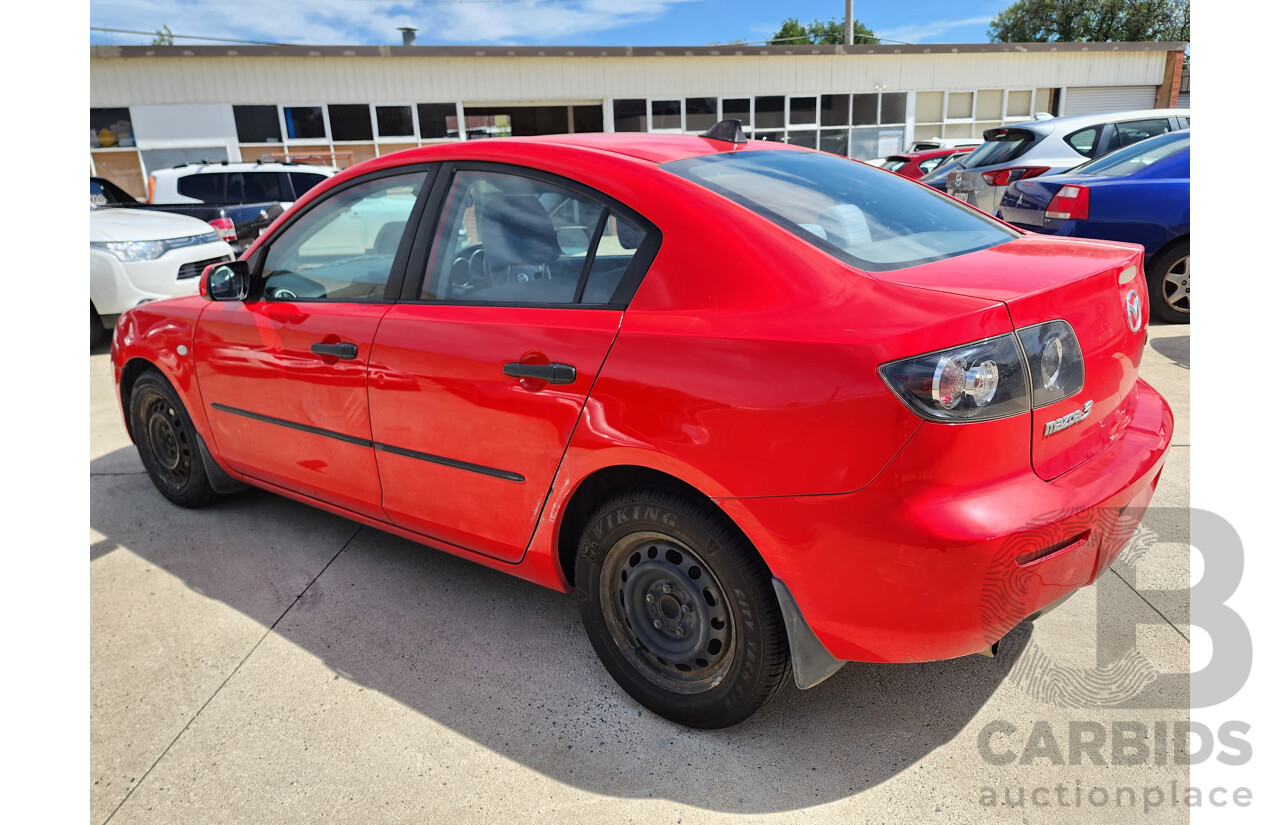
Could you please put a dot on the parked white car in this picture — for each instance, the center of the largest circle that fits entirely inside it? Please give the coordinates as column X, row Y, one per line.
column 137, row 256
column 226, row 182
column 1047, row 147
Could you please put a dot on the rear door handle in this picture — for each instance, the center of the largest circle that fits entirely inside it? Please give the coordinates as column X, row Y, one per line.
column 344, row 350
column 551, row 373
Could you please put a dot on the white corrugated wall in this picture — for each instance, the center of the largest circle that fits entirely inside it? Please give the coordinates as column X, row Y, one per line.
column 513, row 80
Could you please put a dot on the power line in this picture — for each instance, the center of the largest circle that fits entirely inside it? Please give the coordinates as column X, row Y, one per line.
column 187, row 36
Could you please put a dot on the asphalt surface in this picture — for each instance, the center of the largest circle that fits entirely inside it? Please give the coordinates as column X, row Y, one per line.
column 263, row 661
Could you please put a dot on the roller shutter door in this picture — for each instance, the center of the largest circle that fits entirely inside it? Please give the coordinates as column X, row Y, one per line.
column 1092, row 100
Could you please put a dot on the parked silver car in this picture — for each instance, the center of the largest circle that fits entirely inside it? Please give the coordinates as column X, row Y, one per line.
column 1047, row 147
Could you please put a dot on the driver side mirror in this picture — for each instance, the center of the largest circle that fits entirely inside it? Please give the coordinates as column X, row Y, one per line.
column 225, row 281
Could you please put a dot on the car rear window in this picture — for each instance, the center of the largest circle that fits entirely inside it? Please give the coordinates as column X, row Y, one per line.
column 874, row 221
column 894, row 164
column 1134, row 157
column 1002, row 146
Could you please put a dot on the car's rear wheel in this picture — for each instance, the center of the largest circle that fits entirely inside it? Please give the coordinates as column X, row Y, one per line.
column 1169, row 283
column 167, row 442
column 680, row 608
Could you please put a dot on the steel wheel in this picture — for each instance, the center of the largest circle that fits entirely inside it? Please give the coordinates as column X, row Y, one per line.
column 167, row 442
column 667, row 613
column 680, row 608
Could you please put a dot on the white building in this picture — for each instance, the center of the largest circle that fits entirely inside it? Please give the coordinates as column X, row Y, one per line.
column 153, row 107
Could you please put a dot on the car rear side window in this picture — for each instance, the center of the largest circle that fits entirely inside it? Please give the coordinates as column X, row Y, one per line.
column 1085, row 141
column 302, row 181
column 1135, row 131
column 511, row 240
column 875, row 222
column 255, row 187
column 208, row 187
column 1002, row 146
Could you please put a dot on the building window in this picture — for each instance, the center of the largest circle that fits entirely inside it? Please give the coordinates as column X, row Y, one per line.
column 804, row 111
column 350, row 121
column 738, row 108
column 394, row 121
column 437, row 120
column 257, row 124
column 304, row 122
column 109, row 128
column 966, row 114
column 666, row 115
column 699, row 113
column 630, row 116
column 588, row 119
column 770, row 112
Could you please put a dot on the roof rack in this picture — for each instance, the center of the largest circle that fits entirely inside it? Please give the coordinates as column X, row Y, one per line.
column 300, row 158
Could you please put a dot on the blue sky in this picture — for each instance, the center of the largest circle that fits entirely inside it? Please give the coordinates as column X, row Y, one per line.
column 531, row 22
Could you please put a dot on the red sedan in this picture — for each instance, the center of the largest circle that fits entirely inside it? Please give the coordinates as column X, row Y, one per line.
column 915, row 165
column 761, row 409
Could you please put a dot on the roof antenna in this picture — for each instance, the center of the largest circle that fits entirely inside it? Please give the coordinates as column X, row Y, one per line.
column 729, row 131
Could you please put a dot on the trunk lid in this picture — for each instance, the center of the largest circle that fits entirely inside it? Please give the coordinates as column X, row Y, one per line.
column 1088, row 285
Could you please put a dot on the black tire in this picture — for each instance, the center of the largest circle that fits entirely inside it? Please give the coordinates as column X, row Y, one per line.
column 96, row 328
column 680, row 608
column 1169, row 283
column 167, row 442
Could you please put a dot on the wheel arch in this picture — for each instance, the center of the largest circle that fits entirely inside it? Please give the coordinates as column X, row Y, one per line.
column 604, row 483
column 1177, row 239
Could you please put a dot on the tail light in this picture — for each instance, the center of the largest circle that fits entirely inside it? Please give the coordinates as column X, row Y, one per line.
column 226, row 229
column 151, row 188
column 1004, row 177
column 1070, row 204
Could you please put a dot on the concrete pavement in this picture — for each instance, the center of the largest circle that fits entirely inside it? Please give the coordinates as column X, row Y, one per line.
column 262, row 661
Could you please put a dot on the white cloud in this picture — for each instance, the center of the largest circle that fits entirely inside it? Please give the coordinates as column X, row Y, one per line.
column 359, row 22
column 921, row 32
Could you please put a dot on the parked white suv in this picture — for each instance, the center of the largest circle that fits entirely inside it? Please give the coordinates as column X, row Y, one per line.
column 137, row 256
column 1047, row 147
column 225, row 182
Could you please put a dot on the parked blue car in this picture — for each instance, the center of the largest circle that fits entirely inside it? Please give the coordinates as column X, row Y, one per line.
column 1140, row 194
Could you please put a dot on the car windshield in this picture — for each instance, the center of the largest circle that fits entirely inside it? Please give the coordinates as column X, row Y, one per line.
column 875, row 221
column 1135, row 157
column 1002, row 146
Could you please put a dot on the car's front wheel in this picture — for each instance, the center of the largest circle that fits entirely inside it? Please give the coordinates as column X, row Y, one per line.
column 167, row 442
column 680, row 608
column 1169, row 283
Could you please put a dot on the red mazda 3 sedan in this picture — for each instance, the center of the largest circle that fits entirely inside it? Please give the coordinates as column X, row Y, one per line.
column 762, row 410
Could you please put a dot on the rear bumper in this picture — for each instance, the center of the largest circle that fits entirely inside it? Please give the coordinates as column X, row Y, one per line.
column 916, row 567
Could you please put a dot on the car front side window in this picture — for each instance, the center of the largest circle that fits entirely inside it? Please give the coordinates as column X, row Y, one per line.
column 344, row 248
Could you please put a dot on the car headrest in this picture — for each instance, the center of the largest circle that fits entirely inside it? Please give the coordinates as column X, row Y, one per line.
column 388, row 239
column 629, row 235
column 515, row 229
column 845, row 225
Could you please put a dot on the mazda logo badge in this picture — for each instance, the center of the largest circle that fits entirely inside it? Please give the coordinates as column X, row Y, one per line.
column 1133, row 310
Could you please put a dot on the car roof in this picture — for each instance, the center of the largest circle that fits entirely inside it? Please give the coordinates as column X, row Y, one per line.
column 653, row 147
column 1061, row 123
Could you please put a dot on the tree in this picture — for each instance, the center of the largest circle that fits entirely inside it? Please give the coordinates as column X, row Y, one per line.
column 1041, row 21
column 163, row 37
column 819, row 33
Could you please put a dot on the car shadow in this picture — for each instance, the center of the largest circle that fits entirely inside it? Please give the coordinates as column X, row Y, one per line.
column 506, row 663
column 1176, row 348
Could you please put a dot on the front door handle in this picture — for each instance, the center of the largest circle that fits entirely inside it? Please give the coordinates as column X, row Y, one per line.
column 551, row 373
column 344, row 350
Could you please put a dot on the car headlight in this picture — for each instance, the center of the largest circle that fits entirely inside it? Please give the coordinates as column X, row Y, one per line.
column 976, row 382
column 132, row 250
